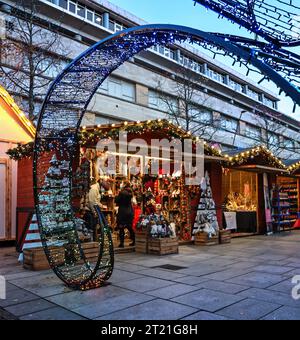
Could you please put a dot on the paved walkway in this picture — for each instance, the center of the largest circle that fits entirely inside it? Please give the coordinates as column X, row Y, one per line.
column 249, row 279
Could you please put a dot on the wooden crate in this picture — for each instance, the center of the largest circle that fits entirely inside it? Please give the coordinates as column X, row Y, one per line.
column 36, row 260
column 163, row 246
column 225, row 236
column 90, row 249
column 202, row 239
column 141, row 243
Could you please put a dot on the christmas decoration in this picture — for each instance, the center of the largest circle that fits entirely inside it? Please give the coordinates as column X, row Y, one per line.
column 206, row 221
column 250, row 154
column 68, row 99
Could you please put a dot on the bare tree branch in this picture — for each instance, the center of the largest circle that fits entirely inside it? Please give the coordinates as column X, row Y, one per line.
column 31, row 54
column 187, row 106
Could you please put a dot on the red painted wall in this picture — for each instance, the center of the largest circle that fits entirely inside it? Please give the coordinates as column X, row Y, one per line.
column 216, row 185
column 25, row 198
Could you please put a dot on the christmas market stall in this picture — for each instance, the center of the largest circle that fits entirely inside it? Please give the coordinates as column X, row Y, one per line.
column 286, row 187
column 165, row 207
column 250, row 206
column 14, row 128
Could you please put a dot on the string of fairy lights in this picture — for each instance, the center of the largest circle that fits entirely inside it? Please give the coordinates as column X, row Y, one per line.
column 91, row 135
column 277, row 21
column 246, row 14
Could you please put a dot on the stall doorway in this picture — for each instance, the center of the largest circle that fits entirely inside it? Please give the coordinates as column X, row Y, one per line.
column 240, row 201
column 3, row 198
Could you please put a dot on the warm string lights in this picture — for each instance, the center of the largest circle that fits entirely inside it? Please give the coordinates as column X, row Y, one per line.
column 20, row 114
column 92, row 135
column 248, row 156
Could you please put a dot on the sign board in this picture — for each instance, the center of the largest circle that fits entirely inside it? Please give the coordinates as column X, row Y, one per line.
column 231, row 220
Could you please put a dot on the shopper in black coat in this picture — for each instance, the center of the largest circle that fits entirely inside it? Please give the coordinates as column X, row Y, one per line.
column 125, row 215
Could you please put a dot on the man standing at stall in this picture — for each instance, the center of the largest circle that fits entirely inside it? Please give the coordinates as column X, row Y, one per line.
column 94, row 199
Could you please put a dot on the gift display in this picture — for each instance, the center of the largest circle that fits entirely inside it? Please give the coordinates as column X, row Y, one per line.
column 206, row 227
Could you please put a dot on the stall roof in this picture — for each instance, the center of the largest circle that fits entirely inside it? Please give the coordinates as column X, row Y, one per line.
column 259, row 158
column 293, row 165
column 158, row 126
column 14, row 124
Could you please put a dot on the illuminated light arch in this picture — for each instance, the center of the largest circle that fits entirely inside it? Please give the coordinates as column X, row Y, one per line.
column 59, row 123
column 277, row 21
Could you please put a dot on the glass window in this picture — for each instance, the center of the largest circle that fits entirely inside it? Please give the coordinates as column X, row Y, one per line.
column 72, row 7
column 236, row 86
column 216, row 76
column 111, row 25
column 98, row 19
column 289, row 144
column 90, row 15
column 273, row 139
column 118, row 27
column 229, row 124
column 254, row 95
column 81, row 11
column 63, row 4
column 253, row 132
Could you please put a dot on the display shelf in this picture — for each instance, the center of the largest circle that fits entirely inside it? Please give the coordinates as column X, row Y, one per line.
column 283, row 217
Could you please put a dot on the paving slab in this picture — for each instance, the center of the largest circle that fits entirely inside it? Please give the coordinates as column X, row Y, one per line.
column 272, row 269
column 223, row 287
column 111, row 305
column 172, row 291
column 284, row 313
column 248, row 309
column 208, row 300
column 17, row 296
column 78, row 299
column 55, row 313
column 205, row 316
column 29, row 307
column 161, row 274
column 154, row 310
column 257, row 280
column 144, row 284
column 271, row 296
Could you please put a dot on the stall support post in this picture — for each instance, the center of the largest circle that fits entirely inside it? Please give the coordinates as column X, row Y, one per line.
column 261, row 216
column 216, row 184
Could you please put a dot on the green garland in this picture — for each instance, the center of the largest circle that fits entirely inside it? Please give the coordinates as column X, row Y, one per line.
column 92, row 136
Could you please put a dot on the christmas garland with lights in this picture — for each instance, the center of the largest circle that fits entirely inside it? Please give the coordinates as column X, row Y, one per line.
column 93, row 135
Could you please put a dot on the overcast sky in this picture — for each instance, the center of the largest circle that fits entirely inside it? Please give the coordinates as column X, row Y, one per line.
column 183, row 12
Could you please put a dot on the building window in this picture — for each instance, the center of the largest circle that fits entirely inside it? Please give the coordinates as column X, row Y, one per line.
column 273, row 139
column 289, row 144
column 254, row 95
column 98, row 19
column 90, row 15
column 252, row 131
column 81, row 11
column 63, row 4
column 236, row 86
column 72, row 7
column 216, row 76
column 270, row 103
column 162, row 102
column 229, row 124
column 118, row 88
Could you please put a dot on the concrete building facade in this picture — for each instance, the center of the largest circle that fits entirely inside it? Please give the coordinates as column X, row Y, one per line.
column 234, row 103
